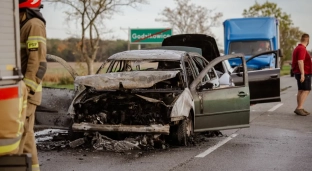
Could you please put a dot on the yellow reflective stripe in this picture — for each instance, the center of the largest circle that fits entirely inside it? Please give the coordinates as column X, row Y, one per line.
column 33, row 85
column 23, row 45
column 9, row 148
column 25, row 103
column 20, row 125
column 35, row 167
column 37, row 38
column 20, row 106
column 39, row 88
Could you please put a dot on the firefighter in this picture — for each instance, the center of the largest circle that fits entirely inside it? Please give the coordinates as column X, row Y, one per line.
column 34, row 65
column 12, row 117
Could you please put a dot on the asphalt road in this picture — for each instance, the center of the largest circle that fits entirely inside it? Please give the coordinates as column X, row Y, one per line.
column 277, row 140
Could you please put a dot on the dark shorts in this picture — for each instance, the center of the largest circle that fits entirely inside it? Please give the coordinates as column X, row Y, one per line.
column 306, row 84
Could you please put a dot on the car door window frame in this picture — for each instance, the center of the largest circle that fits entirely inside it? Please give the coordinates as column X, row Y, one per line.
column 216, row 61
column 188, row 65
column 200, row 67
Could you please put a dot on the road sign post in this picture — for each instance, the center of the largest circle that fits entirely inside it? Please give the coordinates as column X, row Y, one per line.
column 149, row 36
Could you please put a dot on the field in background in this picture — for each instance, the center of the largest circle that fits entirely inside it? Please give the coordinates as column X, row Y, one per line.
column 285, row 70
column 58, row 77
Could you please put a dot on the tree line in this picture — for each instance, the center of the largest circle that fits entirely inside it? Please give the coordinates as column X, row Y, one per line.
column 67, row 48
column 184, row 17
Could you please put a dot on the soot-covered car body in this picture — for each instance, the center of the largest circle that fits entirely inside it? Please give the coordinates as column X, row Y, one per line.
column 179, row 88
column 159, row 92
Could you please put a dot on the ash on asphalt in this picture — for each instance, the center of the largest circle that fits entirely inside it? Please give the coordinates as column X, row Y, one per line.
column 57, row 140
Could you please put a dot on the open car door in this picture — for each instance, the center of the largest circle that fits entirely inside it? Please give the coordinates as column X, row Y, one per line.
column 219, row 108
column 264, row 84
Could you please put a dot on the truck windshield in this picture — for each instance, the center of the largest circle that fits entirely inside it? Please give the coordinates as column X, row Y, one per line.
column 249, row 47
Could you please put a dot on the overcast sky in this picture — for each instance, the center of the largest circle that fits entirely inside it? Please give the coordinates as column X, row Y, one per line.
column 144, row 16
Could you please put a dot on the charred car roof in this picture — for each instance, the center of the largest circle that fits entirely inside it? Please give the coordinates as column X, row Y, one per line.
column 157, row 54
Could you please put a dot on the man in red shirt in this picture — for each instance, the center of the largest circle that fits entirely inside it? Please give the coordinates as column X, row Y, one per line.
column 301, row 65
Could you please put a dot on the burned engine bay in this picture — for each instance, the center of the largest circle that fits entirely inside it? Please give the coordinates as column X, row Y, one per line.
column 124, row 107
column 145, row 106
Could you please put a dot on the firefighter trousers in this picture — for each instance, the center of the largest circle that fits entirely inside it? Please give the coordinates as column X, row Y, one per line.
column 28, row 143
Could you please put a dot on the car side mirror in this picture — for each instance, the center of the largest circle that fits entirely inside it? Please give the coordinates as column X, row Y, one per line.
column 207, row 85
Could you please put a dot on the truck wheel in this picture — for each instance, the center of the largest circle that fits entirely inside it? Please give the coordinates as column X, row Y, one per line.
column 182, row 132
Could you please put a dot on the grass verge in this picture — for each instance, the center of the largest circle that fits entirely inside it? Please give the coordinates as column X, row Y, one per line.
column 285, row 70
column 56, row 85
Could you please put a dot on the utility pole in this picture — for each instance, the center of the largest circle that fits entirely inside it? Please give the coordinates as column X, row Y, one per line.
column 124, row 29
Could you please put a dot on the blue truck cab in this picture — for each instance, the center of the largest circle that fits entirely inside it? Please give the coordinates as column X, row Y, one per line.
column 251, row 36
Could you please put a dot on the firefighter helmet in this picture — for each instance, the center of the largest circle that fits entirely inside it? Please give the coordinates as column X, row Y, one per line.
column 30, row 4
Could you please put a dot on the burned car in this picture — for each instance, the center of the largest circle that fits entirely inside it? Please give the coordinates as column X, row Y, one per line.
column 177, row 89
column 159, row 92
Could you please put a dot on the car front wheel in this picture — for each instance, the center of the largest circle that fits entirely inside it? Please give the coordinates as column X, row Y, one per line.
column 183, row 131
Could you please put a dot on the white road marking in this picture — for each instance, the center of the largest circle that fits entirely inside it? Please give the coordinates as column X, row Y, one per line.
column 275, row 107
column 213, row 148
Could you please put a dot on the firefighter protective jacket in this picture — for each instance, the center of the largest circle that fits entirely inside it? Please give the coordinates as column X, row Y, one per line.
column 33, row 56
column 13, row 114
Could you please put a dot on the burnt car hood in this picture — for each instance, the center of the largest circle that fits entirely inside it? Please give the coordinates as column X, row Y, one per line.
column 126, row 80
column 207, row 43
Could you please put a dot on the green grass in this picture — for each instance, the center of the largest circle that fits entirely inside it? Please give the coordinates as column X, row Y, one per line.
column 55, row 85
column 285, row 70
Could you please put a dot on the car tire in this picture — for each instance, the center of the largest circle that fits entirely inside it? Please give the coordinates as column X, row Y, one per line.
column 183, row 131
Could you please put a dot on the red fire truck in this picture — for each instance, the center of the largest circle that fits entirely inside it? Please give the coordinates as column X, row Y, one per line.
column 10, row 88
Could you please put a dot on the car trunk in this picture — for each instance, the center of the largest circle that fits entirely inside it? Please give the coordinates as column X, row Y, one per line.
column 207, row 43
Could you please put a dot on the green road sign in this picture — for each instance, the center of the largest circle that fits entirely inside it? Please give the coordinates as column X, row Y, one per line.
column 149, row 36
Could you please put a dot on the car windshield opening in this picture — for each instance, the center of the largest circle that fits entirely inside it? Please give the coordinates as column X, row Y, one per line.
column 142, row 65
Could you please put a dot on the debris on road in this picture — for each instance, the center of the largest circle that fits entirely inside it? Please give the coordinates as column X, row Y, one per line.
column 49, row 134
column 102, row 142
column 285, row 88
column 77, row 143
column 213, row 134
column 53, row 139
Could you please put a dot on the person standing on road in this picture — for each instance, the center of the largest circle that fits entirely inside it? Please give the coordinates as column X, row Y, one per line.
column 301, row 64
column 34, row 66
